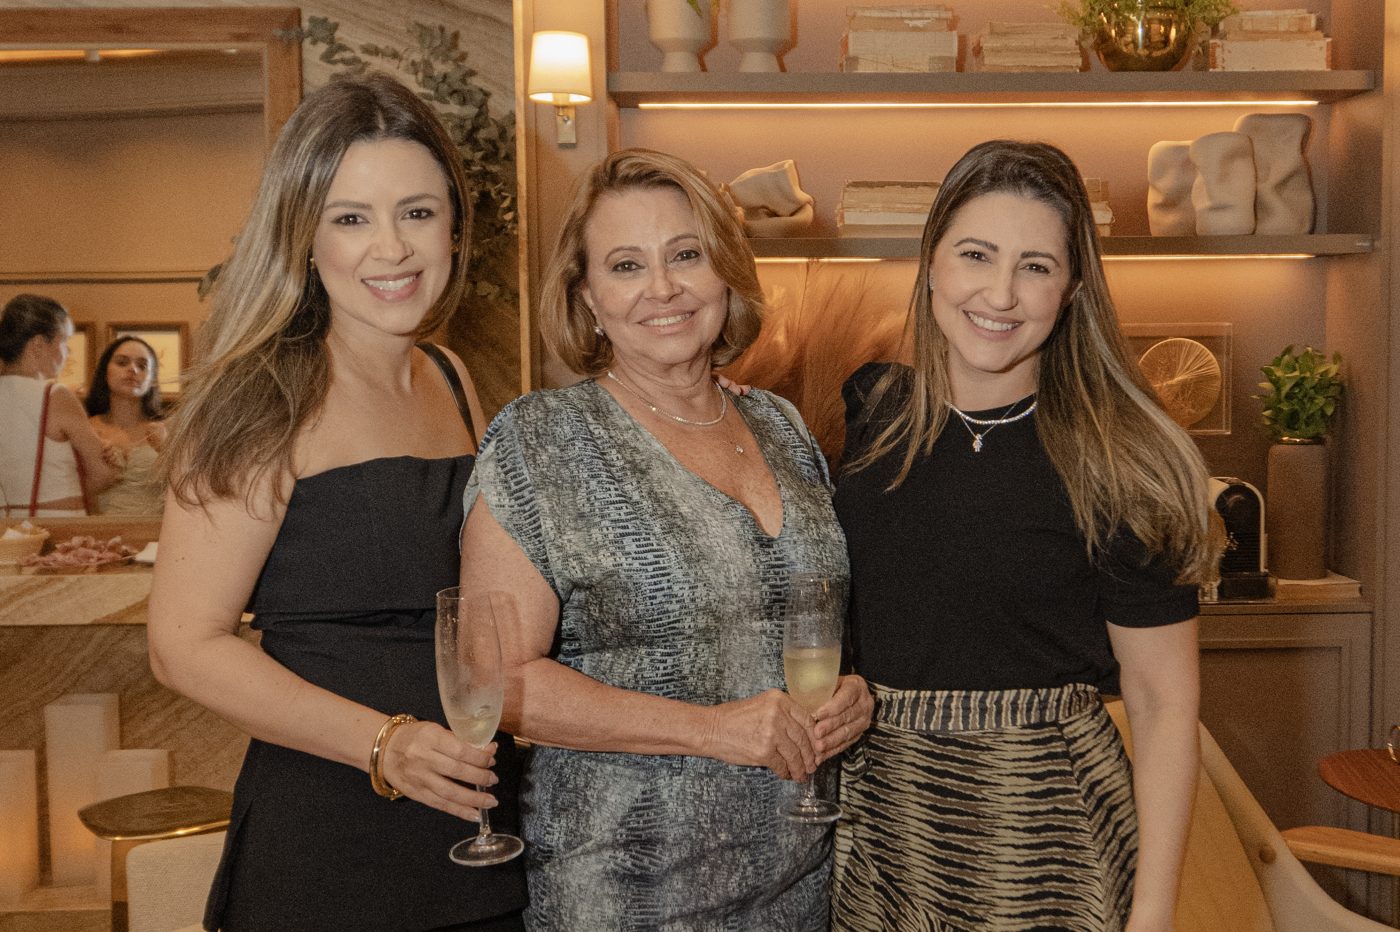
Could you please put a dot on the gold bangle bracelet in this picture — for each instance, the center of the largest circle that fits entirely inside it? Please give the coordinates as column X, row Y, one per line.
column 376, row 756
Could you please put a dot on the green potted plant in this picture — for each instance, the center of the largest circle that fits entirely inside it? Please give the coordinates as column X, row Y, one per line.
column 1301, row 393
column 1143, row 35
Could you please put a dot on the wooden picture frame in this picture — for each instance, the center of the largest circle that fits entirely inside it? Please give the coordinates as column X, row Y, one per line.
column 170, row 340
column 83, row 351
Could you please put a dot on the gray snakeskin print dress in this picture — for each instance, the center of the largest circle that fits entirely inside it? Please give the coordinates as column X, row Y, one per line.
column 669, row 587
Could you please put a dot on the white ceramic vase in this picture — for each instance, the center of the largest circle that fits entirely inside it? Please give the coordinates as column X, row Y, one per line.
column 674, row 27
column 1170, row 176
column 1223, row 192
column 760, row 30
column 1283, row 195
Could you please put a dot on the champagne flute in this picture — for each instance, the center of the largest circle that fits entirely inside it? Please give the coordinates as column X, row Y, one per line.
column 812, row 625
column 471, row 685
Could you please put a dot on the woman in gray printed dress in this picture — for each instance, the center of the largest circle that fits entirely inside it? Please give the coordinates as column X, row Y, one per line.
column 648, row 525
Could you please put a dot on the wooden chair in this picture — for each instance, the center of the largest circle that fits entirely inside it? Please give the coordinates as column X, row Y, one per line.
column 1242, row 875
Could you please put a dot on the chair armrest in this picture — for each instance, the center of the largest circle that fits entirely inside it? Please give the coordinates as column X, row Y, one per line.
column 1342, row 847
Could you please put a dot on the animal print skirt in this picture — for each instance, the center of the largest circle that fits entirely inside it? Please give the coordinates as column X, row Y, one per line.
column 986, row 810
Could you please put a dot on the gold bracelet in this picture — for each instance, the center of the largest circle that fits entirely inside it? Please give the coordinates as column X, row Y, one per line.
column 376, row 756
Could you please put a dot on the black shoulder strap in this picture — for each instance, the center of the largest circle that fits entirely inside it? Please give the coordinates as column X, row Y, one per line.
column 454, row 381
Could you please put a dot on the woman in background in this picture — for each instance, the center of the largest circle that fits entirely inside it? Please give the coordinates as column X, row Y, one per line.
column 58, row 476
column 1026, row 527
column 649, row 527
column 317, row 463
column 125, row 410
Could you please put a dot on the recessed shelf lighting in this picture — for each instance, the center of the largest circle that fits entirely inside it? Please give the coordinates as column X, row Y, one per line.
column 1202, row 258
column 968, row 105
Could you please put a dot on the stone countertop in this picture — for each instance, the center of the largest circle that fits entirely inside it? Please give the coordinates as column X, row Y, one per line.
column 114, row 596
column 108, row 596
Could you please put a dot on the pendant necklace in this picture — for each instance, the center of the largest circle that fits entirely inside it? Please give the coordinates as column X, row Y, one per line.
column 989, row 424
column 723, row 407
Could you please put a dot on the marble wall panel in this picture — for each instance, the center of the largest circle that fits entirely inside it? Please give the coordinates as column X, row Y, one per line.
column 39, row 663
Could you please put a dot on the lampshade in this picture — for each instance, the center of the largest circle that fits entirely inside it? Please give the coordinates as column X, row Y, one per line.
column 559, row 68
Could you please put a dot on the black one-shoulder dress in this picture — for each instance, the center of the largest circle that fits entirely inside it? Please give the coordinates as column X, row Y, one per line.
column 346, row 601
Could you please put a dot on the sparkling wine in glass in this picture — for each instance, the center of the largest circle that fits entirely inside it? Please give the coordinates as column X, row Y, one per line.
column 812, row 623
column 471, row 684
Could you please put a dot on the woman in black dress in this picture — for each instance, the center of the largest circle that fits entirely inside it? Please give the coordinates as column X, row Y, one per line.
column 1026, row 527
column 317, row 468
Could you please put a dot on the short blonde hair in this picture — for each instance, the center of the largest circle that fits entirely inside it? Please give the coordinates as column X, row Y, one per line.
column 567, row 324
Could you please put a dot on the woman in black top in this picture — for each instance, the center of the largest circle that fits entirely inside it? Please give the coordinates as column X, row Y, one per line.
column 318, row 462
column 1025, row 526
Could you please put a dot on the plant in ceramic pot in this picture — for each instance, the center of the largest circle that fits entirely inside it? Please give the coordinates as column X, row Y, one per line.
column 1143, row 35
column 1301, row 393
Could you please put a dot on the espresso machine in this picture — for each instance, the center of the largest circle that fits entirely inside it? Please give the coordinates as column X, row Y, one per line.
column 1243, row 564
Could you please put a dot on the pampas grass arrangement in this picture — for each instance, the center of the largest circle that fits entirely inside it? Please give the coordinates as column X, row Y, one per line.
column 814, row 336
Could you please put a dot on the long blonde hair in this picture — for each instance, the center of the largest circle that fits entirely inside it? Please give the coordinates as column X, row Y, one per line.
column 567, row 324
column 264, row 369
column 1123, row 461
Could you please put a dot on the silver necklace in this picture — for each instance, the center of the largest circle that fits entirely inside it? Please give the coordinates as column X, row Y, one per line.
column 989, row 424
column 723, row 406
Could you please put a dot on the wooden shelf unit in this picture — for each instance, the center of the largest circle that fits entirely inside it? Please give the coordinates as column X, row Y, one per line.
column 907, row 247
column 637, row 89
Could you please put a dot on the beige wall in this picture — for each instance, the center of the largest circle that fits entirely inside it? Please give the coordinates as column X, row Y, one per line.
column 148, row 194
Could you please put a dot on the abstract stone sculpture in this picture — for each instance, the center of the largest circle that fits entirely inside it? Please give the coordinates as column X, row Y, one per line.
column 772, row 200
column 1170, row 175
column 1223, row 193
column 1283, row 195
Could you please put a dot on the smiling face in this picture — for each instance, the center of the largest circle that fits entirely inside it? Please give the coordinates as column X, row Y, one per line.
column 998, row 279
column 130, row 370
column 649, row 283
column 383, row 246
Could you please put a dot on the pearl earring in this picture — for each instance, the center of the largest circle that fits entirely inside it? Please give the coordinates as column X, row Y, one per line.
column 599, row 331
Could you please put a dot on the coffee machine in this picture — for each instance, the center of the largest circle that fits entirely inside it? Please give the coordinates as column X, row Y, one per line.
column 1242, row 565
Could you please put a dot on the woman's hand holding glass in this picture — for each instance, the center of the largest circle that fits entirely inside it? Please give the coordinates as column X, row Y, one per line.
column 813, row 620
column 428, row 763
column 767, row 730
column 844, row 718
column 471, row 685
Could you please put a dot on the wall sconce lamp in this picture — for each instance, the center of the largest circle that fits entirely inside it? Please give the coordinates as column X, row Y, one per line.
column 560, row 75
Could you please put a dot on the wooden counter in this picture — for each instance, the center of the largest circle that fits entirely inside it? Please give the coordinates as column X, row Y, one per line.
column 110, row 596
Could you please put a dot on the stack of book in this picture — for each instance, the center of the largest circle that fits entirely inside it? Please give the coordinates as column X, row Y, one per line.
column 1030, row 47
column 899, row 38
column 1334, row 587
column 1271, row 40
column 1098, row 201
column 885, row 208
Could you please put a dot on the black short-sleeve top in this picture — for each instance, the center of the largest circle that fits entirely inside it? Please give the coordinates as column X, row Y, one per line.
column 972, row 573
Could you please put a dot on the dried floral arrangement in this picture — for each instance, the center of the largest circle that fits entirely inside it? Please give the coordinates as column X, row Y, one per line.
column 813, row 338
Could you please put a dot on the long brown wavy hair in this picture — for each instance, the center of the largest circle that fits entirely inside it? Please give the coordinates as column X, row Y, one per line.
column 1123, row 461
column 264, row 369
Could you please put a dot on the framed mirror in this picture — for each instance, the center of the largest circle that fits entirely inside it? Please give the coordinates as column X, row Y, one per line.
column 131, row 144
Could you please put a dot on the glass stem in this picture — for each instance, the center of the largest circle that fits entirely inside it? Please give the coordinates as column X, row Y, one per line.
column 808, row 790
column 484, row 832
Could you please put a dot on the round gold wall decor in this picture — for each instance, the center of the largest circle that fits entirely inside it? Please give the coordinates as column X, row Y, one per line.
column 1186, row 377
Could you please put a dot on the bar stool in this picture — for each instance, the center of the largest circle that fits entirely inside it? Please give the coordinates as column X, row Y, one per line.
column 134, row 819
